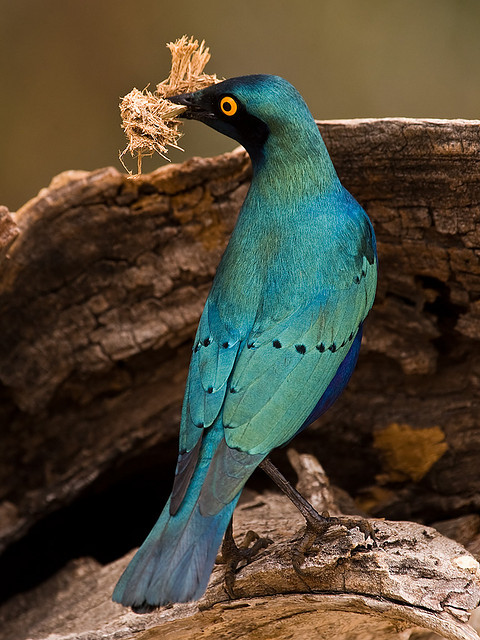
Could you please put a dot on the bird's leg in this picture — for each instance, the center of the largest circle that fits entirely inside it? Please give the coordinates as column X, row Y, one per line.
column 310, row 514
column 232, row 555
column 316, row 524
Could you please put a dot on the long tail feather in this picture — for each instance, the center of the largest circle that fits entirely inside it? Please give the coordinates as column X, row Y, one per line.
column 175, row 561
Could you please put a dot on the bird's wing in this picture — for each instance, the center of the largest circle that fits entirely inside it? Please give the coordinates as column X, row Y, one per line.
column 213, row 357
column 214, row 352
column 262, row 384
column 277, row 382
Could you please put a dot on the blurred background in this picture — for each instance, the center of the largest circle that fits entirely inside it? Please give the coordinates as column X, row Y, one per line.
column 64, row 66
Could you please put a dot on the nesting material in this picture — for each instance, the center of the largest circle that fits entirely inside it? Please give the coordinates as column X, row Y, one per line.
column 150, row 120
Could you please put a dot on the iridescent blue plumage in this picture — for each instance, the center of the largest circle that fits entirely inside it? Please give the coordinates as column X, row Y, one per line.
column 279, row 335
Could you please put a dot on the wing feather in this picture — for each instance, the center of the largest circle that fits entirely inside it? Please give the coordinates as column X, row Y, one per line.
column 277, row 387
column 261, row 382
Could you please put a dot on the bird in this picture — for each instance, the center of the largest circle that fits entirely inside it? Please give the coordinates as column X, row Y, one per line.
column 279, row 335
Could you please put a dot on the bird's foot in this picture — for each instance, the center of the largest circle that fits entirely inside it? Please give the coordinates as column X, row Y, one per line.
column 232, row 555
column 320, row 525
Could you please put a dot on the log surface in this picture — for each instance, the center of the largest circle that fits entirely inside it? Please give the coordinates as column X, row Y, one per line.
column 103, row 278
column 409, row 582
column 103, row 287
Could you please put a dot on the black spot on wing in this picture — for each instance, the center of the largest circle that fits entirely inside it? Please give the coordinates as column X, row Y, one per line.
column 301, row 348
column 333, row 347
column 357, row 279
column 277, row 344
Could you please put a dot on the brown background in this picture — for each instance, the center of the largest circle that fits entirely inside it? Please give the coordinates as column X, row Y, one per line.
column 64, row 65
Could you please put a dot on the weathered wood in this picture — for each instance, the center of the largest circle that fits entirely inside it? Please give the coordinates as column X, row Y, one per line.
column 8, row 231
column 99, row 300
column 411, row 578
column 101, row 291
column 104, row 285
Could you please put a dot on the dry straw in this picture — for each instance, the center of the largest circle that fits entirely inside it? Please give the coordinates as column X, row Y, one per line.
column 150, row 120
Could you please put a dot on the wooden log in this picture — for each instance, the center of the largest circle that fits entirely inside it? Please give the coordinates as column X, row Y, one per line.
column 8, row 231
column 101, row 291
column 103, row 287
column 99, row 300
column 409, row 582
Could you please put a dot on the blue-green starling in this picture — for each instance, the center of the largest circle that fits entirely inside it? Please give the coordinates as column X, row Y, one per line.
column 279, row 335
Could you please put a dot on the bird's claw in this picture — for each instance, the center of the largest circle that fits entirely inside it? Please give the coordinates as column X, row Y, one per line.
column 232, row 555
column 319, row 527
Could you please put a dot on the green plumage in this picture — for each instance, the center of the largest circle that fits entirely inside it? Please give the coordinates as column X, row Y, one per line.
column 280, row 332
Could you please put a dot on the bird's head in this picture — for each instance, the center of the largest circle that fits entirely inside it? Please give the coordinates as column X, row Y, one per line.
column 252, row 110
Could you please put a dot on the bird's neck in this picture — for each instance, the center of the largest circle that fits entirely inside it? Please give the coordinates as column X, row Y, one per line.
column 294, row 163
column 280, row 226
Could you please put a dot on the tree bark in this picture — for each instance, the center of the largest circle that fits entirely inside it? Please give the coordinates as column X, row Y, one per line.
column 101, row 290
column 8, row 231
column 407, row 582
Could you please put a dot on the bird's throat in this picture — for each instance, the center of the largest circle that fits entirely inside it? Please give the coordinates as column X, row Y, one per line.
column 294, row 169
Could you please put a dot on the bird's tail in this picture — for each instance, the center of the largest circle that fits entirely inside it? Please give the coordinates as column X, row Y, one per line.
column 175, row 561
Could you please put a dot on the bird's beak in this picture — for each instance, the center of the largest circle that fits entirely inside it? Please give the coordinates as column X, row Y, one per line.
column 194, row 109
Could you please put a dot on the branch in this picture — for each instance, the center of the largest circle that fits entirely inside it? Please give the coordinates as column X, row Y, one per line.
column 413, row 577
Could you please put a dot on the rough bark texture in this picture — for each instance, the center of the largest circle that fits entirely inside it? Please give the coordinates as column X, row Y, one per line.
column 8, row 231
column 409, row 582
column 101, row 291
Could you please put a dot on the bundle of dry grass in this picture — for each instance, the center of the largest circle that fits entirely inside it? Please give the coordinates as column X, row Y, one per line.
column 150, row 120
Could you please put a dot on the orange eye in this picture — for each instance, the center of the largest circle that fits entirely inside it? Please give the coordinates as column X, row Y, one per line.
column 228, row 106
